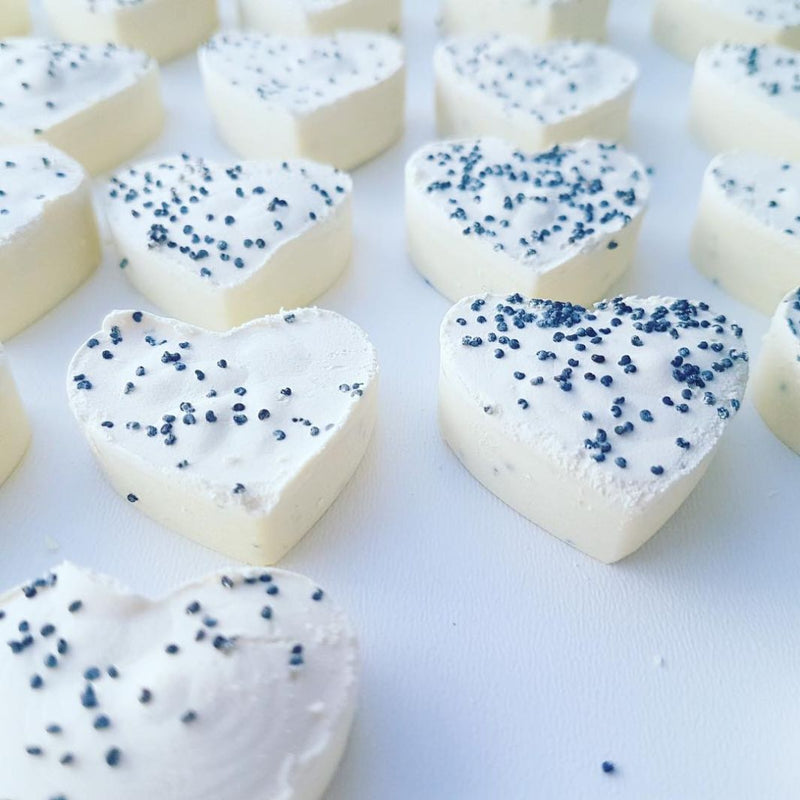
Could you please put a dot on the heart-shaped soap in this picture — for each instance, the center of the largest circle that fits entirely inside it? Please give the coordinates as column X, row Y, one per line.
column 48, row 233
column 746, row 97
column 482, row 216
column 220, row 245
column 14, row 430
column 335, row 99
column 242, row 685
column 97, row 103
column 535, row 96
column 747, row 235
column 596, row 424
column 239, row 440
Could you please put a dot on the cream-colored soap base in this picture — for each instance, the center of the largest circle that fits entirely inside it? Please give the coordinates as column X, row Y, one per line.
column 538, row 22
column 776, row 383
column 288, row 18
column 299, row 271
column 600, row 525
column 685, row 27
column 47, row 261
column 345, row 134
column 724, row 117
column 463, row 112
column 164, row 29
column 259, row 538
column 15, row 432
column 15, row 18
column 754, row 264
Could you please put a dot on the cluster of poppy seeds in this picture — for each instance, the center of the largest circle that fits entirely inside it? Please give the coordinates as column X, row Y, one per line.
column 177, row 205
column 536, row 207
column 43, row 645
column 603, row 347
column 774, row 70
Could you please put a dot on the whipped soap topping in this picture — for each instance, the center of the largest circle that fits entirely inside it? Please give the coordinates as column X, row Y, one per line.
column 31, row 177
column 302, row 74
column 631, row 394
column 765, row 188
column 237, row 415
column 44, row 83
column 549, row 82
column 220, row 223
column 541, row 209
column 240, row 685
column 769, row 72
column 781, row 13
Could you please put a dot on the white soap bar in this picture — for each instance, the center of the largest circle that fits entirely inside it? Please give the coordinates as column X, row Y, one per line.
column 15, row 17
column 747, row 235
column 685, row 27
column 533, row 96
column 239, row 440
column 164, row 29
column 595, row 424
column 776, row 382
column 317, row 17
column 240, row 685
column 748, row 98
column 14, row 429
column 99, row 104
column 339, row 100
column 220, row 245
column 537, row 20
column 482, row 216
column 48, row 233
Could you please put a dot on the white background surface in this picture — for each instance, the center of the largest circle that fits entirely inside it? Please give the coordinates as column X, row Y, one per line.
column 498, row 663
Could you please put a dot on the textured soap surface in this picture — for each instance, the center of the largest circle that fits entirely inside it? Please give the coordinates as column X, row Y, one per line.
column 769, row 72
column 109, row 694
column 32, row 177
column 45, row 83
column 220, row 223
column 548, row 83
column 781, row 13
column 303, row 75
column 766, row 189
column 542, row 208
